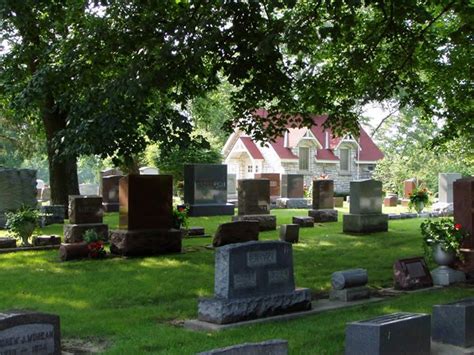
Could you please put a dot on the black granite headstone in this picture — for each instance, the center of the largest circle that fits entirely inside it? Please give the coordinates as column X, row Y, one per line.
column 205, row 190
column 254, row 197
column 24, row 332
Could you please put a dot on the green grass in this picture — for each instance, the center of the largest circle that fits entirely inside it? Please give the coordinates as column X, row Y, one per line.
column 134, row 304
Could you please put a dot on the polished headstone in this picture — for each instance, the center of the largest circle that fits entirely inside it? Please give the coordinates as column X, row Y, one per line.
column 253, row 280
column 205, row 190
column 323, row 194
column 25, row 332
column 52, row 214
column 411, row 273
column 292, row 185
column 303, row 221
column 109, row 190
column 236, row 232
column 408, row 187
column 148, row 170
column 390, row 201
column 232, row 186
column 254, row 197
column 275, row 189
column 463, row 190
column 89, row 189
column 453, row 323
column 289, row 233
column 397, row 333
column 445, row 186
column 366, row 197
column 146, row 202
column 85, row 209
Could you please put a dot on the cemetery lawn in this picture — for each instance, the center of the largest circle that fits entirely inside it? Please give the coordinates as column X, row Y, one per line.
column 136, row 305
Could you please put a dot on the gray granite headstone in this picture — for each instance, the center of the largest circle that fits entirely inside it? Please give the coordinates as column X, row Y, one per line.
column 453, row 323
column 23, row 332
column 205, row 190
column 17, row 189
column 232, row 186
column 397, row 333
column 254, row 196
column 290, row 233
column 253, row 280
column 270, row 347
column 445, row 186
column 85, row 209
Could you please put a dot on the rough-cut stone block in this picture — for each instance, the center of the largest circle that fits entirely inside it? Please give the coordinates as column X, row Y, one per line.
column 453, row 323
column 349, row 278
column 350, row 294
column 322, row 216
column 303, row 221
column 53, row 214
column 74, row 233
column 42, row 240
column 25, row 332
column 236, row 232
column 270, row 347
column 445, row 276
column 145, row 242
column 7, row 242
column 290, row 233
column 85, row 209
column 223, row 311
column 364, row 223
column 398, row 333
column 265, row 222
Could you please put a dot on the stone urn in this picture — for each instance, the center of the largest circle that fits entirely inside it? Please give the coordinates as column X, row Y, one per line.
column 419, row 206
column 25, row 233
column 443, row 257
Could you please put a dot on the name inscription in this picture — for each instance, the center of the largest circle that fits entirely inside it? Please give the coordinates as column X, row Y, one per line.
column 245, row 280
column 278, row 276
column 27, row 339
column 261, row 258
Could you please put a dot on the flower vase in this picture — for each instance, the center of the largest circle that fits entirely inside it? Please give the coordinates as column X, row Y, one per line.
column 26, row 232
column 443, row 257
column 419, row 206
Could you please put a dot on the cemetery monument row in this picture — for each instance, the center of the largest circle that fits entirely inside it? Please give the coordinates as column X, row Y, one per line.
column 323, row 201
column 205, row 190
column 17, row 188
column 146, row 217
column 253, row 280
column 365, row 210
column 254, row 203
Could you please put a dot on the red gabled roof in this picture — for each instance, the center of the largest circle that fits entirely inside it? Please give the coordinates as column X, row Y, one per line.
column 251, row 147
column 369, row 151
column 281, row 150
column 326, row 154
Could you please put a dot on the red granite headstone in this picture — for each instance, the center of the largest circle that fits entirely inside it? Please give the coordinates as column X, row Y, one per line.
column 274, row 182
column 463, row 193
column 390, row 201
column 408, row 187
column 146, row 202
column 411, row 273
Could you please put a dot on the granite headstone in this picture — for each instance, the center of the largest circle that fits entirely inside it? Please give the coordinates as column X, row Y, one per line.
column 323, row 202
column 445, row 186
column 275, row 189
column 253, row 280
column 292, row 185
column 205, row 190
column 110, row 192
column 411, row 273
column 231, row 186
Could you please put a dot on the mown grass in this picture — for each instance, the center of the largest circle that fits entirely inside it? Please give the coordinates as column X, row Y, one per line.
column 136, row 304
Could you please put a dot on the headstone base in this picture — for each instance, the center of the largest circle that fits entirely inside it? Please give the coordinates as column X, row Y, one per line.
column 273, row 347
column 364, row 223
column 42, row 240
column 223, row 311
column 445, row 276
column 295, row 203
column 321, row 216
column 7, row 242
column 392, row 216
column 303, row 221
column 74, row 233
column 350, row 294
column 145, row 242
column 405, row 215
column 266, row 222
column 448, row 349
column 111, row 206
column 211, row 210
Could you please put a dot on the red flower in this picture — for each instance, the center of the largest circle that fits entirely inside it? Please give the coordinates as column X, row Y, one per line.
column 457, row 226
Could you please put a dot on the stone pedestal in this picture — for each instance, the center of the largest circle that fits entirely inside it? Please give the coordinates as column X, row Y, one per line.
column 365, row 223
column 292, row 186
column 321, row 216
column 350, row 294
column 43, row 240
column 145, row 242
column 295, row 203
column 266, row 222
column 74, row 233
column 445, row 276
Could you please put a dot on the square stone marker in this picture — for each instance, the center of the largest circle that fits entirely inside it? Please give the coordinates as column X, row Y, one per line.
column 411, row 273
column 292, row 185
column 205, row 190
column 85, row 209
column 146, row 202
column 453, row 323
column 290, row 233
column 24, row 332
column 254, row 196
column 323, row 194
column 397, row 333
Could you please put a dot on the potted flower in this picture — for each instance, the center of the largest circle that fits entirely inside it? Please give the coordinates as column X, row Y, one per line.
column 419, row 198
column 442, row 240
column 22, row 222
column 180, row 217
column 95, row 244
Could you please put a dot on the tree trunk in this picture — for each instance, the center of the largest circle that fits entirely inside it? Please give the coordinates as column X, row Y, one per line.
column 62, row 168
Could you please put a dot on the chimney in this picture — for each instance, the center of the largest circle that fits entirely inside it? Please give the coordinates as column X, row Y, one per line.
column 326, row 145
column 286, row 140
